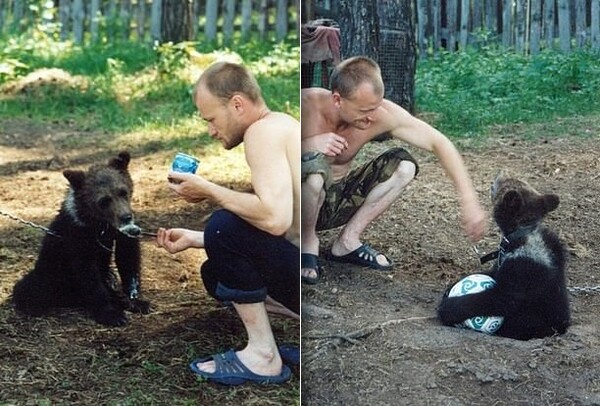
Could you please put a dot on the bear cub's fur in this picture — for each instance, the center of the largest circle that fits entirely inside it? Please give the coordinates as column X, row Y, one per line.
column 73, row 265
column 530, row 291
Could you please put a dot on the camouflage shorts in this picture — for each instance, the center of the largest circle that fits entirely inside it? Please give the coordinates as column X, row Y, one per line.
column 345, row 197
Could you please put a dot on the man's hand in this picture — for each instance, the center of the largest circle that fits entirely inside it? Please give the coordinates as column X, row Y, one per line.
column 179, row 239
column 192, row 188
column 474, row 220
column 330, row 144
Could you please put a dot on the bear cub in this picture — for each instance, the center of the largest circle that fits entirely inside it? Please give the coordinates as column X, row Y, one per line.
column 530, row 291
column 73, row 265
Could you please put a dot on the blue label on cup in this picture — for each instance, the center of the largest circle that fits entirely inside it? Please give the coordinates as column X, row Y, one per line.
column 185, row 163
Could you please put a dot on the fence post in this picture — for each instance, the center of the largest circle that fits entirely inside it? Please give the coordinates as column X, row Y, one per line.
column 210, row 27
column 64, row 14
column 536, row 25
column 595, row 21
column 520, row 34
column 464, row 24
column 580, row 25
column 549, row 12
column 421, row 27
column 507, row 23
column 141, row 20
column 451, row 25
column 262, row 19
column 94, row 20
column 155, row 20
column 78, row 16
column 564, row 25
column 228, row 20
column 246, row 19
column 281, row 20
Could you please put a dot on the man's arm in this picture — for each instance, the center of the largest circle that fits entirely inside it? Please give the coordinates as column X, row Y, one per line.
column 270, row 206
column 420, row 134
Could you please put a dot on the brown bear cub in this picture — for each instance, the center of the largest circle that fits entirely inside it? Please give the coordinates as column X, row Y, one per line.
column 530, row 291
column 73, row 265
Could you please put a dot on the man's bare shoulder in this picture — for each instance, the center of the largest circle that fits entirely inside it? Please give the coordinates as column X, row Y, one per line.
column 274, row 126
column 313, row 95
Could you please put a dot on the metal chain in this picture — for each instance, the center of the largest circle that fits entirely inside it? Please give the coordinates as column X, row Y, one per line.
column 584, row 289
column 29, row 223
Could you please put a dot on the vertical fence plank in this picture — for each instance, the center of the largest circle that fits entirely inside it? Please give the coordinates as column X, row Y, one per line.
column 94, row 20
column 155, row 20
column 228, row 20
column 421, row 26
column 564, row 25
column 195, row 18
column 64, row 15
column 212, row 12
column 281, row 19
column 580, row 24
column 490, row 16
column 3, row 6
column 549, row 27
column 246, row 19
column 436, row 21
column 536, row 26
column 595, row 22
column 464, row 23
column 262, row 19
column 477, row 20
column 141, row 20
column 507, row 23
column 125, row 19
column 520, row 17
column 451, row 24
column 78, row 17
column 18, row 13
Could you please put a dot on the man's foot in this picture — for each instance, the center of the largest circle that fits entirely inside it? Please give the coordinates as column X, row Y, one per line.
column 235, row 368
column 364, row 255
column 311, row 271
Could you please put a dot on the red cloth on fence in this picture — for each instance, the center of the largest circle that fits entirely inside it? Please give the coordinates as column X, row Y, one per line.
column 319, row 44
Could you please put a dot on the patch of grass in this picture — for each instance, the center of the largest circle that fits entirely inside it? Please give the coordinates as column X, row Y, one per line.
column 470, row 91
column 129, row 88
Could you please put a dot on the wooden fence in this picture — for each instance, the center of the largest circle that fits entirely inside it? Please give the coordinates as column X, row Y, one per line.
column 525, row 26
column 91, row 20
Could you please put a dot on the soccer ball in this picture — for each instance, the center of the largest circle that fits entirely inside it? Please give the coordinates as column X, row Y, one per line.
column 473, row 284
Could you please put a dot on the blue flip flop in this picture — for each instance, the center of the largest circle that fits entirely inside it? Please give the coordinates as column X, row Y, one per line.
column 290, row 354
column 231, row 371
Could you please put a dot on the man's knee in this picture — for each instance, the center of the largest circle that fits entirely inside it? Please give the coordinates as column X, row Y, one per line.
column 221, row 225
column 406, row 171
column 314, row 184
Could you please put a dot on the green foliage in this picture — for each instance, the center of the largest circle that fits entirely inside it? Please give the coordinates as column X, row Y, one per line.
column 472, row 90
column 127, row 87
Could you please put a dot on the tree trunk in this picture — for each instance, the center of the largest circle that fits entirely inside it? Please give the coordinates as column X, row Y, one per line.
column 580, row 25
column 507, row 23
column 18, row 13
column 141, row 20
column 2, row 15
column 383, row 30
column 464, row 24
column 125, row 19
column 176, row 21
column 262, row 19
column 451, row 25
column 520, row 26
column 422, row 27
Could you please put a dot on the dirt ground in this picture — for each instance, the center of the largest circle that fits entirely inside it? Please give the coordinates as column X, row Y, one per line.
column 371, row 338
column 67, row 358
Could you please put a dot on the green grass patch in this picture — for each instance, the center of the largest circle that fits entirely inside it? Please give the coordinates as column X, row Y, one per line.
column 127, row 88
column 467, row 92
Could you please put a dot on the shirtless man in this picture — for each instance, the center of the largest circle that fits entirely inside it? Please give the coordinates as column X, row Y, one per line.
column 252, row 244
column 335, row 126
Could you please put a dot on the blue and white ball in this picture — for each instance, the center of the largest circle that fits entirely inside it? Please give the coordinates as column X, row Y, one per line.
column 473, row 284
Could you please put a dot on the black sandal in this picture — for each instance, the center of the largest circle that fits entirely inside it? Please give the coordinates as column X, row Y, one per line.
column 311, row 261
column 363, row 256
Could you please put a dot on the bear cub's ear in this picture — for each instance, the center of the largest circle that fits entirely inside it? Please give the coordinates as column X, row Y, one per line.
column 121, row 162
column 75, row 178
column 550, row 202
